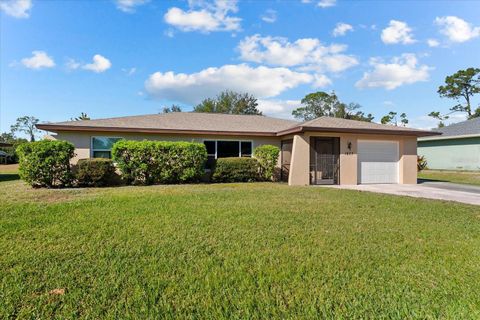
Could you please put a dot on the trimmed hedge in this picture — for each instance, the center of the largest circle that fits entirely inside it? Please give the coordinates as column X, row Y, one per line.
column 154, row 162
column 267, row 156
column 236, row 170
column 46, row 163
column 95, row 173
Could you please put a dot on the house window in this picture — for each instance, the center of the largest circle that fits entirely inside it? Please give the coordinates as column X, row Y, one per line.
column 227, row 148
column 102, row 146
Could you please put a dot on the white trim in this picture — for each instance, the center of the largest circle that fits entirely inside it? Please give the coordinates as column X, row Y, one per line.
column 474, row 135
column 91, row 144
column 237, row 140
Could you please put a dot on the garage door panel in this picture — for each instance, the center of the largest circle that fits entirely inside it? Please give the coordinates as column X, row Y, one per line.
column 378, row 162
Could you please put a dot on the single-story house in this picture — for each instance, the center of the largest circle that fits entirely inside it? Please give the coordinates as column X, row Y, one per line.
column 458, row 148
column 321, row 151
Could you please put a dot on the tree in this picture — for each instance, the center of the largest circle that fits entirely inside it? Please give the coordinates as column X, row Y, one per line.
column 386, row 119
column 173, row 108
column 230, row 102
column 27, row 125
column 350, row 111
column 403, row 119
column 322, row 104
column 7, row 137
column 462, row 85
column 437, row 115
column 83, row 116
column 391, row 118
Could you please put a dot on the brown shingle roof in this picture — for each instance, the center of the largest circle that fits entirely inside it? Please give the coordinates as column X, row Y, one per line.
column 354, row 126
column 215, row 123
column 180, row 121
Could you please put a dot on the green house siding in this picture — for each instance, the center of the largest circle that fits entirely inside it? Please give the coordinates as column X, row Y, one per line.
column 451, row 154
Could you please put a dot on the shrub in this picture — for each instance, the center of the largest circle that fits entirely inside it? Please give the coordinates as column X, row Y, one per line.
column 151, row 162
column 267, row 156
column 46, row 163
column 421, row 163
column 236, row 170
column 95, row 173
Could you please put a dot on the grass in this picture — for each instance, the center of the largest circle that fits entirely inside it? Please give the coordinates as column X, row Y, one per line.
column 462, row 177
column 241, row 251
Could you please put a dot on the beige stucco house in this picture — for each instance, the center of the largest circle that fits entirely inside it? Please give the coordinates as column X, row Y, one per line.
column 321, row 151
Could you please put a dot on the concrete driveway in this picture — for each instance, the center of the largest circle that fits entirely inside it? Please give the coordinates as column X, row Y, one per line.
column 424, row 189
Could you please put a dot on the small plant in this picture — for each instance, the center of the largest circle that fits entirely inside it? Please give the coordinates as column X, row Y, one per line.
column 421, row 163
column 95, row 173
column 46, row 163
column 267, row 156
column 236, row 170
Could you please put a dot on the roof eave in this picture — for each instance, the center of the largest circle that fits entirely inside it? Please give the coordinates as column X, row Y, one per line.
column 461, row 136
column 59, row 128
column 416, row 133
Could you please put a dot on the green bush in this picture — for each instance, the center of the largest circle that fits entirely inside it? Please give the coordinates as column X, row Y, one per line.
column 46, row 163
column 95, row 173
column 236, row 170
column 152, row 162
column 267, row 156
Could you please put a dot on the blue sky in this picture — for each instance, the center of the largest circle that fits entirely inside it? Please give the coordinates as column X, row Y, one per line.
column 114, row 58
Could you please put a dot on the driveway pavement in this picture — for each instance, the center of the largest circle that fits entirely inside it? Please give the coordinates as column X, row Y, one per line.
column 424, row 189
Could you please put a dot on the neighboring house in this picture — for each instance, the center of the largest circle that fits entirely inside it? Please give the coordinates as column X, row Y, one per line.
column 3, row 154
column 321, row 151
column 458, row 148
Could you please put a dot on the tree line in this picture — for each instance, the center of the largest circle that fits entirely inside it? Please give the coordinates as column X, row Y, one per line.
column 460, row 86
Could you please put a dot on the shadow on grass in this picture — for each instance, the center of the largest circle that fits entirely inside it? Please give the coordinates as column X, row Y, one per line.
column 424, row 180
column 9, row 177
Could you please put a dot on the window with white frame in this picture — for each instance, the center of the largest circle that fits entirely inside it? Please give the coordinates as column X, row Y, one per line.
column 102, row 146
column 227, row 148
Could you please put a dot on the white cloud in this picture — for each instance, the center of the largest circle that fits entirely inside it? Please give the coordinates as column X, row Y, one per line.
column 99, row 64
column 39, row 60
column 169, row 33
column 341, row 29
column 456, row 29
column 278, row 108
column 427, row 123
column 307, row 54
column 262, row 82
column 270, row 16
column 71, row 64
column 433, row 43
column 397, row 32
column 16, row 8
column 129, row 71
column 321, row 81
column 402, row 70
column 205, row 17
column 326, row 3
column 129, row 5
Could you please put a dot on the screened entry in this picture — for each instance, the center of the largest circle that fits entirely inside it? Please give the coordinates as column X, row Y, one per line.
column 324, row 160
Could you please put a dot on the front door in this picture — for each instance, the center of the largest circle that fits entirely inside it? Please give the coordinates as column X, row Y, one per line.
column 324, row 160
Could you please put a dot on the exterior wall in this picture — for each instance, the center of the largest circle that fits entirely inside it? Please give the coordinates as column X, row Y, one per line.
column 299, row 169
column 300, row 161
column 451, row 154
column 82, row 140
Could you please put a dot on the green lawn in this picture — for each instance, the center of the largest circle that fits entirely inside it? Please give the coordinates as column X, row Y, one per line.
column 235, row 251
column 463, row 177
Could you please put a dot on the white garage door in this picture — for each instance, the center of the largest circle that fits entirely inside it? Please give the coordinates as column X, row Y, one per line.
column 377, row 161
